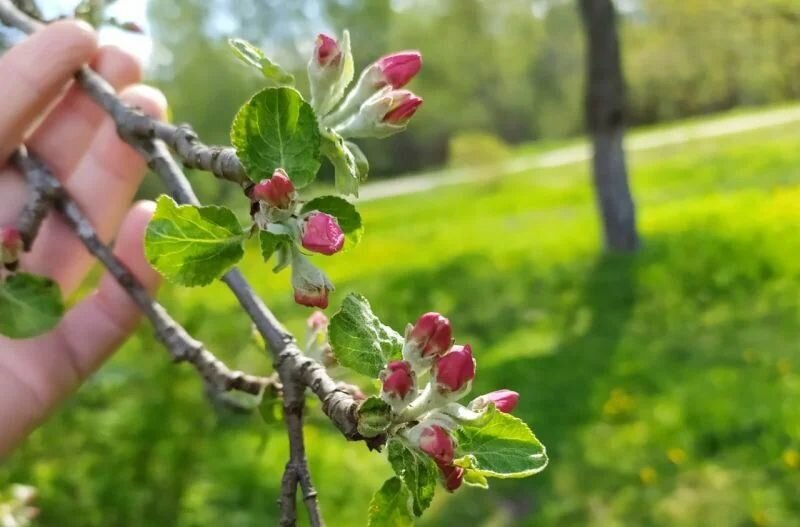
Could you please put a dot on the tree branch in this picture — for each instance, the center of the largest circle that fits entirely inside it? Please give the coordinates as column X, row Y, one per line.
column 172, row 335
column 42, row 193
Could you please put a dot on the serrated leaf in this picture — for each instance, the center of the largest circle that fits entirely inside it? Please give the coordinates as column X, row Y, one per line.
column 345, row 165
column 192, row 245
column 374, row 417
column 29, row 305
column 345, row 213
column 271, row 242
column 255, row 57
column 499, row 445
column 391, row 506
column 276, row 128
column 359, row 340
column 417, row 471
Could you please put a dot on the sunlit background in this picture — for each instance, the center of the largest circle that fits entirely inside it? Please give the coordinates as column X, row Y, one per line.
column 665, row 383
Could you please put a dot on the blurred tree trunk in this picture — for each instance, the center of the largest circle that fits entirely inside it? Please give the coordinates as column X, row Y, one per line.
column 605, row 109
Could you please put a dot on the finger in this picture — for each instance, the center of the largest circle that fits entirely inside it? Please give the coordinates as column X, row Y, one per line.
column 103, row 184
column 67, row 132
column 35, row 71
column 37, row 374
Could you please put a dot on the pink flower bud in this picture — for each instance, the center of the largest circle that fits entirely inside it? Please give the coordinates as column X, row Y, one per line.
column 278, row 190
column 322, row 234
column 317, row 321
column 453, row 371
column 453, row 476
column 311, row 286
column 437, row 443
column 398, row 380
column 432, row 334
column 327, row 51
column 404, row 106
column 504, row 400
column 10, row 245
column 397, row 69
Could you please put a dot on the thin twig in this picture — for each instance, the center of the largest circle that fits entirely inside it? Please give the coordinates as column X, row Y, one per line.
column 172, row 335
column 42, row 193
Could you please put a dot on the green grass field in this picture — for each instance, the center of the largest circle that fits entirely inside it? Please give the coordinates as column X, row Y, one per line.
column 666, row 384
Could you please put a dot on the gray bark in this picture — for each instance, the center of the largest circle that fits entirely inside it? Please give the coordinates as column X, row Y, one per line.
column 605, row 112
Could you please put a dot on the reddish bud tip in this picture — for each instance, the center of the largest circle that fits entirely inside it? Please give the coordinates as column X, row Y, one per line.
column 398, row 69
column 436, row 442
column 327, row 51
column 453, row 476
column 432, row 334
column 312, row 298
column 10, row 245
column 404, row 106
column 455, row 369
column 322, row 234
column 278, row 190
column 504, row 400
column 133, row 27
column 398, row 380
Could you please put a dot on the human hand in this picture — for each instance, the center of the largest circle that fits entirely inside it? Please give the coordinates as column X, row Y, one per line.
column 60, row 124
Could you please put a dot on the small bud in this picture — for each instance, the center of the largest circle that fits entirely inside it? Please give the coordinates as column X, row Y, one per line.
column 399, row 384
column 311, row 286
column 327, row 51
column 330, row 71
column 452, row 475
column 10, row 245
column 504, row 400
column 432, row 334
column 455, row 370
column 404, row 109
column 397, row 69
column 278, row 190
column 382, row 115
column 317, row 321
column 434, row 441
column 321, row 234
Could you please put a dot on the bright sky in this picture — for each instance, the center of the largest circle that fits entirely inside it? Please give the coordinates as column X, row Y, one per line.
column 122, row 10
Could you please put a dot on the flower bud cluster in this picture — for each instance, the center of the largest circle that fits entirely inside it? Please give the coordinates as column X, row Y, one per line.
column 277, row 209
column 376, row 106
column 425, row 417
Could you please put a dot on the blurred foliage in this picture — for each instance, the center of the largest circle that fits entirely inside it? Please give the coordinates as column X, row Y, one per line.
column 665, row 384
column 470, row 149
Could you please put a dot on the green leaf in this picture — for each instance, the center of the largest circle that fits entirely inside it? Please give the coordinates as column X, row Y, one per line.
column 499, row 445
column 362, row 163
column 276, row 128
column 374, row 417
column 29, row 305
column 391, row 506
column 473, row 478
column 346, row 165
column 359, row 340
column 253, row 56
column 192, row 245
column 418, row 472
column 271, row 242
column 345, row 213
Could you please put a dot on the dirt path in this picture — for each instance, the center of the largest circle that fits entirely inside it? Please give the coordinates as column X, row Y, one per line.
column 714, row 127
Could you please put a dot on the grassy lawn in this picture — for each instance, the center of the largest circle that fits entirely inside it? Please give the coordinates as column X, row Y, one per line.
column 666, row 384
